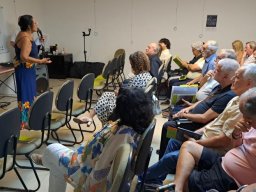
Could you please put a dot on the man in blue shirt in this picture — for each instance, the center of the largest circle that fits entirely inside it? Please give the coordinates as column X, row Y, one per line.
column 208, row 109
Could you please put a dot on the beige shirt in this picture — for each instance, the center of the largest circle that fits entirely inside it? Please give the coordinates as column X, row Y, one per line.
column 225, row 122
column 193, row 75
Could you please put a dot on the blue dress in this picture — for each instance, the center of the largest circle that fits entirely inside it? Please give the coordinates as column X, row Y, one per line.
column 25, row 74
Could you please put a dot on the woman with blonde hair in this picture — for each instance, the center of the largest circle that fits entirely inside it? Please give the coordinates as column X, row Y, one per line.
column 238, row 47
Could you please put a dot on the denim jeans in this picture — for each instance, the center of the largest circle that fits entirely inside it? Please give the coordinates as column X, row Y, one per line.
column 167, row 164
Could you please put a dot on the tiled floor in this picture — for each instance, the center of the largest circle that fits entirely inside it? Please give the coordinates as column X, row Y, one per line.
column 11, row 179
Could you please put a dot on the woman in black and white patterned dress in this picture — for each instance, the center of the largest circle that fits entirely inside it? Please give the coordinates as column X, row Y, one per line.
column 104, row 107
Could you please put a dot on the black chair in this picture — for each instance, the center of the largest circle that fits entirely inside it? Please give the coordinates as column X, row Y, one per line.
column 107, row 74
column 143, row 153
column 9, row 133
column 38, row 133
column 62, row 115
column 120, row 53
column 120, row 168
column 152, row 83
column 84, row 94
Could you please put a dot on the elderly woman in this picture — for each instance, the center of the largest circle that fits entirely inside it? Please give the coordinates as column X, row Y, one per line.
column 88, row 168
column 107, row 102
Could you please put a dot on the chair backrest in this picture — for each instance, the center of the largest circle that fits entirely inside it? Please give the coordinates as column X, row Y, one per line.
column 9, row 126
column 120, row 167
column 169, row 65
column 85, row 88
column 119, row 52
column 141, row 160
column 64, row 95
column 160, row 73
column 151, row 85
column 41, row 107
column 107, row 70
column 9, row 132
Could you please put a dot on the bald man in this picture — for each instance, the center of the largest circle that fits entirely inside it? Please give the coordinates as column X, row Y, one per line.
column 152, row 51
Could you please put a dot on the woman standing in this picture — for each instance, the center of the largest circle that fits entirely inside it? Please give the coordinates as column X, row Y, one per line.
column 25, row 72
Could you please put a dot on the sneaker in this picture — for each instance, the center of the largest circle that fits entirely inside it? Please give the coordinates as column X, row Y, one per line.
column 166, row 102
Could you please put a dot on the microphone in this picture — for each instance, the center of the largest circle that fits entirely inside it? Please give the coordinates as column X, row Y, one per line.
column 39, row 32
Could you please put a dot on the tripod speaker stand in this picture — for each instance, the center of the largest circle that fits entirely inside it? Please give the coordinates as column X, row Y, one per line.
column 84, row 35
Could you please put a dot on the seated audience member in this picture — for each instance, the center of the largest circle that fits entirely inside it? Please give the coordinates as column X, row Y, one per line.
column 209, row 53
column 248, row 57
column 152, row 53
column 238, row 47
column 236, row 168
column 164, row 53
column 191, row 72
column 107, row 102
column 216, row 134
column 88, row 167
column 208, row 83
column 208, row 109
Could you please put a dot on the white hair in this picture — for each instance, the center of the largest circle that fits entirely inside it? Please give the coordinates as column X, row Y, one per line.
column 212, row 45
column 248, row 101
column 197, row 45
column 250, row 72
column 229, row 66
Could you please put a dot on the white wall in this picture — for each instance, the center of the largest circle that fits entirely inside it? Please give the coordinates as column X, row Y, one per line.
column 132, row 24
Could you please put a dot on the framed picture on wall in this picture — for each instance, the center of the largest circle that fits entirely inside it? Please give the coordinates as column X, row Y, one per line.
column 211, row 21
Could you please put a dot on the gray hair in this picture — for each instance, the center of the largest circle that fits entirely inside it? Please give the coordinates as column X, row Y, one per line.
column 250, row 72
column 229, row 66
column 197, row 45
column 212, row 45
column 228, row 53
column 248, row 102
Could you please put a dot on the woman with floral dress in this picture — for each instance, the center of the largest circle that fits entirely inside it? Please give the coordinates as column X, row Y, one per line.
column 89, row 167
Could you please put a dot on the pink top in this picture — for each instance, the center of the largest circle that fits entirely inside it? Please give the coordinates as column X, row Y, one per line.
column 240, row 162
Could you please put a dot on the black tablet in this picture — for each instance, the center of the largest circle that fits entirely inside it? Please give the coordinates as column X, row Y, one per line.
column 181, row 132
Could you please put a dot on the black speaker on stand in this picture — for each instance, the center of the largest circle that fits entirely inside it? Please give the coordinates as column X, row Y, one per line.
column 42, row 79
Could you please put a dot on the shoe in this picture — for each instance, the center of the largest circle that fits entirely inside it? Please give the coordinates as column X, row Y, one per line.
column 37, row 159
column 151, row 187
column 166, row 114
column 166, row 102
column 83, row 120
column 166, row 109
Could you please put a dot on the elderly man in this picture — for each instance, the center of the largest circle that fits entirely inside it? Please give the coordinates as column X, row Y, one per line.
column 216, row 135
column 235, row 169
column 208, row 83
column 208, row 109
column 209, row 53
column 152, row 51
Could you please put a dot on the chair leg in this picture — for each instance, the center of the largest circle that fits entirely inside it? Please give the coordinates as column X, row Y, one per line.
column 20, row 178
column 145, row 170
column 54, row 135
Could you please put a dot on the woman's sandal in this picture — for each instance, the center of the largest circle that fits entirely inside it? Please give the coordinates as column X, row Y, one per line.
column 37, row 159
column 83, row 120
